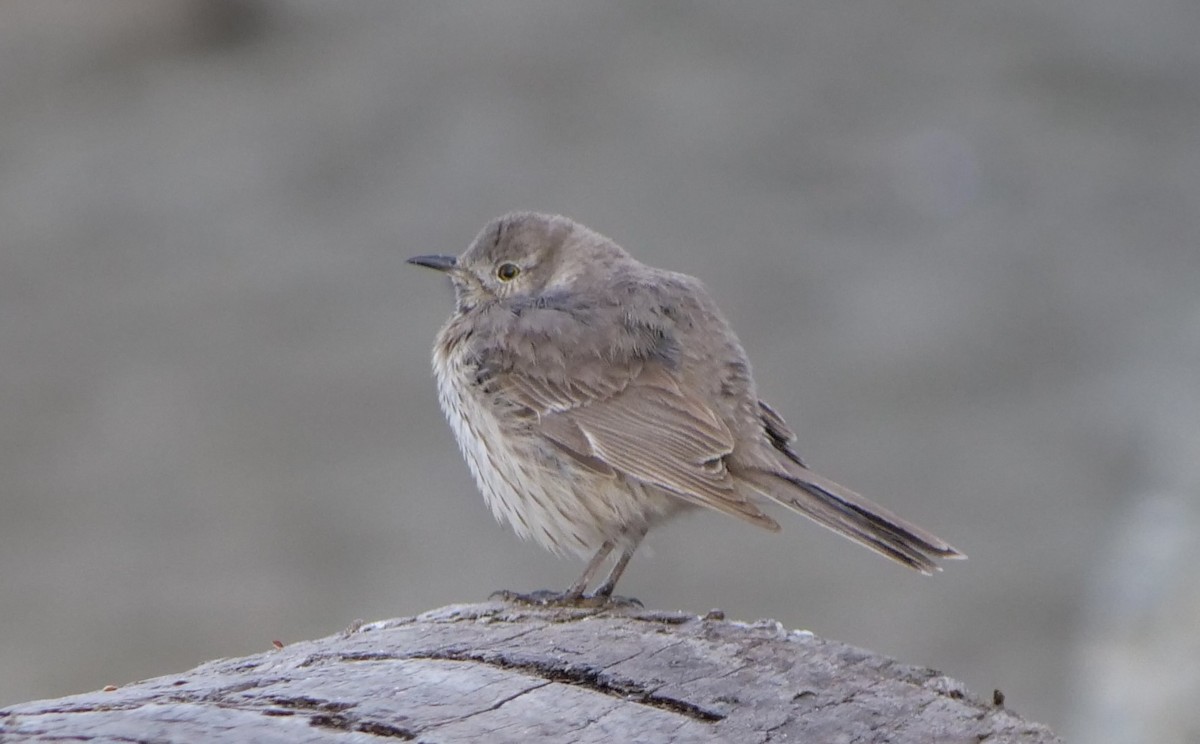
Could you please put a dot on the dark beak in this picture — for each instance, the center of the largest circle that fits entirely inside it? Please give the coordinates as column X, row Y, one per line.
column 438, row 263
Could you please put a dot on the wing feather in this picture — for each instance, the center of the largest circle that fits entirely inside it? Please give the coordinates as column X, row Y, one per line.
column 634, row 419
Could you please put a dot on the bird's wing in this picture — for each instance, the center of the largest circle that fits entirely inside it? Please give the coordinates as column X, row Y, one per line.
column 777, row 430
column 631, row 417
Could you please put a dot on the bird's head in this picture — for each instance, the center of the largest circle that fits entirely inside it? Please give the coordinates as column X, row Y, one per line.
column 521, row 256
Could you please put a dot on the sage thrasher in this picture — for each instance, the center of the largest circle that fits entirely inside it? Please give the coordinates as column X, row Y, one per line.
column 594, row 397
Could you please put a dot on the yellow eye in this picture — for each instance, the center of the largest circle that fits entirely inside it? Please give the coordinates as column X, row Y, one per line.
column 506, row 272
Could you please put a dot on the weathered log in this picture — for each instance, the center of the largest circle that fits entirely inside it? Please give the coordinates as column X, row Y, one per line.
column 496, row 672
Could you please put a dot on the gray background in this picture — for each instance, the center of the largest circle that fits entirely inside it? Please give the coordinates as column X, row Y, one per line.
column 959, row 241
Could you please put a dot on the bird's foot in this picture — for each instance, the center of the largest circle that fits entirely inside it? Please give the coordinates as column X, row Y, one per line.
column 548, row 598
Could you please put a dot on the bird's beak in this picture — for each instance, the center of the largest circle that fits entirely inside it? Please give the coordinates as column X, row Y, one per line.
column 438, row 263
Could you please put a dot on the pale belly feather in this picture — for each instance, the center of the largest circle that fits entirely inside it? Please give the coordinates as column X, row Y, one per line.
column 544, row 495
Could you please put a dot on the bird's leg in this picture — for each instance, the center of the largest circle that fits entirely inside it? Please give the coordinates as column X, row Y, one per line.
column 576, row 590
column 574, row 593
column 605, row 590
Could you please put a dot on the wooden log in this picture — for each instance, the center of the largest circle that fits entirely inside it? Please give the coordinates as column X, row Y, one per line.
column 496, row 672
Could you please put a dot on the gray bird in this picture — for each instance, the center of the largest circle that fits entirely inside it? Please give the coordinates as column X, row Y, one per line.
column 594, row 397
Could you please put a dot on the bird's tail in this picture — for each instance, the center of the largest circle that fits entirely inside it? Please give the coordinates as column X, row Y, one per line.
column 851, row 515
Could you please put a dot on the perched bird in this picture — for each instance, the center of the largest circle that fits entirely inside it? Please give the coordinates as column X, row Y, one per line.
column 594, row 397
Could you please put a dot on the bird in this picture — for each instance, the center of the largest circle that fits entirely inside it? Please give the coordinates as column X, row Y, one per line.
column 594, row 397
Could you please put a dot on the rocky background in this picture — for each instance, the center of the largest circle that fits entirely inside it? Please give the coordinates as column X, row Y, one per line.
column 959, row 241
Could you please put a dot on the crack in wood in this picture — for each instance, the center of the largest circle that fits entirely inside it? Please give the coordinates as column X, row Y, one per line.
column 592, row 678
column 308, row 703
column 500, row 703
column 342, row 722
column 335, row 715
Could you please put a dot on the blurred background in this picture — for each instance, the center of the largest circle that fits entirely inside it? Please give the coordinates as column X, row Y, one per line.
column 959, row 241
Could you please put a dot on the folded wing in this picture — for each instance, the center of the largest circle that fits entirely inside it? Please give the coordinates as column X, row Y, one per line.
column 633, row 419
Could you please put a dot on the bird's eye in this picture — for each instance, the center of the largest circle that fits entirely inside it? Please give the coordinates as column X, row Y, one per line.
column 506, row 272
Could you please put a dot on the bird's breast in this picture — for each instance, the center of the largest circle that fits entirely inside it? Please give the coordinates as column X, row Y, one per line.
column 525, row 480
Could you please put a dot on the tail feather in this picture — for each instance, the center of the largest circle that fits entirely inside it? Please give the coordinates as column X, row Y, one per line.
column 851, row 515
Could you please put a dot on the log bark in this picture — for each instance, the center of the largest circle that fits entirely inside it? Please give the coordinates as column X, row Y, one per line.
column 497, row 672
